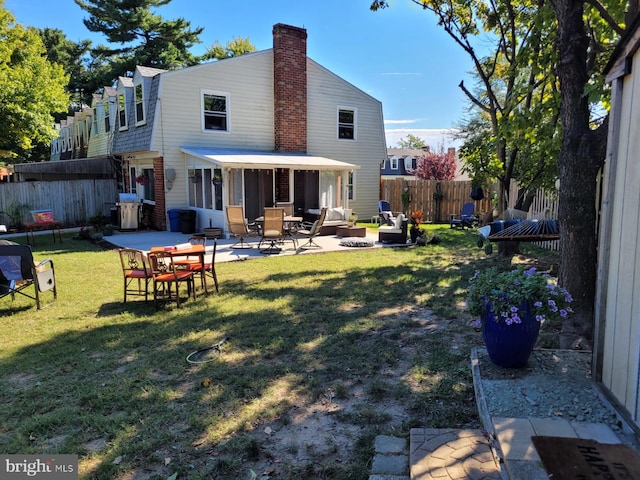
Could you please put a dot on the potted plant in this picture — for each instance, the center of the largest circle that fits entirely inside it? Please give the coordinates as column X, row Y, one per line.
column 141, row 179
column 511, row 305
column 416, row 220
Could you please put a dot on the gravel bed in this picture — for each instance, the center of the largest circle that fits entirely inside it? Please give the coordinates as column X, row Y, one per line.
column 555, row 383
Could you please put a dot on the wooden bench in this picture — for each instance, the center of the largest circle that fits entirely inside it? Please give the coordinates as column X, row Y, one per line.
column 42, row 220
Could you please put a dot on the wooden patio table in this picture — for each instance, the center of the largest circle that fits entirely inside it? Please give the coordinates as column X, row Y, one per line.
column 192, row 251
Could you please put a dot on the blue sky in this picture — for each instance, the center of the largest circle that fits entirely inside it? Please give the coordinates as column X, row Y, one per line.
column 398, row 55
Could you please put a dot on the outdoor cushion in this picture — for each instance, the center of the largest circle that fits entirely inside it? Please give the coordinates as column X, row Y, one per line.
column 336, row 213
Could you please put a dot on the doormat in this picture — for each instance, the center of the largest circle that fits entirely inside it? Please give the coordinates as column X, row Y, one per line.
column 578, row 458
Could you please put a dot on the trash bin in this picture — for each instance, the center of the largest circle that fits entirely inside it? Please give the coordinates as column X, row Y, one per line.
column 174, row 219
column 188, row 221
column 113, row 218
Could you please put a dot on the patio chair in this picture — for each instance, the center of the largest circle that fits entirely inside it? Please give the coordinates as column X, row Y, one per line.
column 384, row 210
column 195, row 266
column 313, row 230
column 272, row 229
column 165, row 276
column 136, row 272
column 238, row 226
column 396, row 233
column 465, row 219
column 18, row 271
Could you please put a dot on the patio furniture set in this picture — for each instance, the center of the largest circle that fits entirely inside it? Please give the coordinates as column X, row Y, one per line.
column 165, row 268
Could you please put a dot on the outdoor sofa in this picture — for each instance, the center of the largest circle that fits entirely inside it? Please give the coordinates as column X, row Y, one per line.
column 334, row 218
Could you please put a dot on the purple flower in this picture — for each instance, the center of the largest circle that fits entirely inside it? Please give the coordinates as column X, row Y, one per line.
column 539, row 318
column 514, row 309
column 530, row 272
column 551, row 303
column 537, row 304
column 563, row 313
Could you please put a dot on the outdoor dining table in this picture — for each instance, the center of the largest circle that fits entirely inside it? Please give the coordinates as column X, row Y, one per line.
column 191, row 251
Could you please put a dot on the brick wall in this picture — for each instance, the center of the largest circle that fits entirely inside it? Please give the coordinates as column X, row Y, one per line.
column 159, row 218
column 290, row 88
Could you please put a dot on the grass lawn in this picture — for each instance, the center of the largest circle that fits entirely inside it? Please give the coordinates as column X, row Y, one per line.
column 324, row 352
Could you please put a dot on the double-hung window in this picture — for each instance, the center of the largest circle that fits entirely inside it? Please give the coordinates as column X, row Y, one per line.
column 346, row 123
column 122, row 111
column 139, row 93
column 95, row 120
column 351, row 193
column 107, row 119
column 215, row 111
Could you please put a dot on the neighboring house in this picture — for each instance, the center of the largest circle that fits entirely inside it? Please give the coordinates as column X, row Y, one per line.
column 616, row 358
column 103, row 118
column 73, row 136
column 401, row 161
column 270, row 126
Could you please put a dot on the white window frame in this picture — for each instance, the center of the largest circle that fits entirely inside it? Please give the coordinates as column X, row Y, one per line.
column 140, row 104
column 351, row 185
column 393, row 163
column 354, row 110
column 122, row 111
column 217, row 93
column 94, row 120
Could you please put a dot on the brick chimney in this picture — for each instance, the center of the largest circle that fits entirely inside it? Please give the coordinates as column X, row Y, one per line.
column 290, row 88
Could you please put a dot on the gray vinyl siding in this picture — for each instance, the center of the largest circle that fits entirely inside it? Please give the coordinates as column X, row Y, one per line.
column 326, row 92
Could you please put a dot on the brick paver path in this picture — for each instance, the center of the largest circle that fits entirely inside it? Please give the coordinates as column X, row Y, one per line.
column 443, row 454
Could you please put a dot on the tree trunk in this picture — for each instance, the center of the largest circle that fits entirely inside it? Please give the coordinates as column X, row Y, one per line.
column 581, row 155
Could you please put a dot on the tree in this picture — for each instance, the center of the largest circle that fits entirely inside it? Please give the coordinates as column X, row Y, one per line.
column 582, row 153
column 144, row 38
column 31, row 89
column 411, row 142
column 571, row 46
column 74, row 58
column 233, row 48
column 432, row 165
column 515, row 85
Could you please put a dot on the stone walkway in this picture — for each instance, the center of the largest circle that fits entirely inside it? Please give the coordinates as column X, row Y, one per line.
column 503, row 450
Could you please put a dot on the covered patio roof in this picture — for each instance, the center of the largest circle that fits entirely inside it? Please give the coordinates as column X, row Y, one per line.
column 231, row 158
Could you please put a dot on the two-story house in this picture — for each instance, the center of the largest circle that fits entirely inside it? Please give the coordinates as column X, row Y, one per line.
column 266, row 127
column 401, row 162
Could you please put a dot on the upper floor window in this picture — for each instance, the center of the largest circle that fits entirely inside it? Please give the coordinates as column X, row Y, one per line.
column 122, row 112
column 94, row 121
column 139, row 105
column 394, row 163
column 107, row 119
column 346, row 124
column 215, row 111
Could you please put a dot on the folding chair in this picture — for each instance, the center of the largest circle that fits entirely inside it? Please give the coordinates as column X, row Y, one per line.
column 18, row 271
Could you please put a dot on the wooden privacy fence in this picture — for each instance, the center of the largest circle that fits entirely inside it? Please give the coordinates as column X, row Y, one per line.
column 454, row 195
column 73, row 201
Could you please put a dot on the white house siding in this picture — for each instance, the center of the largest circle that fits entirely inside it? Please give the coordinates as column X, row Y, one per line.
column 249, row 82
column 326, row 92
column 619, row 260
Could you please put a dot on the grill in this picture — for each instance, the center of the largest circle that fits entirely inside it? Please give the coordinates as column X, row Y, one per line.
column 129, row 211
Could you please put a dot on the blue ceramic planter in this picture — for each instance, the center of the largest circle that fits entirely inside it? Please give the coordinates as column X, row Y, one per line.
column 510, row 346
